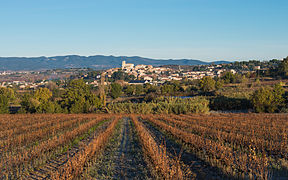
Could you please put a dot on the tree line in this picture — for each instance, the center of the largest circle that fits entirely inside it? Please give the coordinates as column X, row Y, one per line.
column 78, row 97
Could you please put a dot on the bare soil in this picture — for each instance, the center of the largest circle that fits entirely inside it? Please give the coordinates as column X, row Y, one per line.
column 122, row 158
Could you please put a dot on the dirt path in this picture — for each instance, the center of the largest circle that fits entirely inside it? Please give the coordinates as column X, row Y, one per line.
column 202, row 169
column 123, row 156
column 61, row 159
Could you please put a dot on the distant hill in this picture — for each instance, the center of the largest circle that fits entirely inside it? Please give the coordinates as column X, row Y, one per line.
column 95, row 62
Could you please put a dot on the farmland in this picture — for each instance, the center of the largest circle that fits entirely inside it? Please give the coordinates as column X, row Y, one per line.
column 118, row 146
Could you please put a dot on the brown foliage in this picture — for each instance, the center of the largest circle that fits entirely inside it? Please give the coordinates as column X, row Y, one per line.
column 74, row 167
column 229, row 141
column 58, row 131
column 168, row 167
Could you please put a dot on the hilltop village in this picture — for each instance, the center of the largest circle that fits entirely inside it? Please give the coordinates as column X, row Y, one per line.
column 142, row 74
column 232, row 86
column 138, row 74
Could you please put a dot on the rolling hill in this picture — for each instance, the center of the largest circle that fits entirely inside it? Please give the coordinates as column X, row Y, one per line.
column 95, row 62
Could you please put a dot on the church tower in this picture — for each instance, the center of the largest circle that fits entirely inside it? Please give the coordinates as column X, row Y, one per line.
column 123, row 64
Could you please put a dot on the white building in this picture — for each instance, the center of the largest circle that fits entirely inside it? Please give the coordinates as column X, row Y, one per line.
column 141, row 66
column 232, row 71
column 148, row 78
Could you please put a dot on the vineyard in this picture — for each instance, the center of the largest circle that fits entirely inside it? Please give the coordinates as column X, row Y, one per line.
column 111, row 146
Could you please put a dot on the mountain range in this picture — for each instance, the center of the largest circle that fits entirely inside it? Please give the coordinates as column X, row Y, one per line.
column 95, row 62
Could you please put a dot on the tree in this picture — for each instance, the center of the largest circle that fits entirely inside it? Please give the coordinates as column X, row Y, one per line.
column 167, row 89
column 278, row 92
column 48, row 107
column 120, row 75
column 80, row 106
column 93, row 74
column 4, row 106
column 138, row 90
column 39, row 102
column 219, row 84
column 42, row 94
column 116, row 90
column 207, row 84
column 130, row 89
column 8, row 92
column 78, row 98
column 28, row 103
column 268, row 99
column 228, row 77
column 6, row 95
column 149, row 88
column 283, row 68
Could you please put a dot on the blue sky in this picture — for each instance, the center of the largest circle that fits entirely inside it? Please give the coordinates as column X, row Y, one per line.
column 195, row 29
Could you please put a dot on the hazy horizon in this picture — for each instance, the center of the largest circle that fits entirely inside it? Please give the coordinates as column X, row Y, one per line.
column 231, row 60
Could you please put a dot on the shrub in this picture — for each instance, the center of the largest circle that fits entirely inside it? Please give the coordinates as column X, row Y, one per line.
column 48, row 107
column 163, row 106
column 229, row 103
column 207, row 84
column 228, row 77
column 116, row 90
column 268, row 99
column 78, row 98
column 130, row 108
column 4, row 106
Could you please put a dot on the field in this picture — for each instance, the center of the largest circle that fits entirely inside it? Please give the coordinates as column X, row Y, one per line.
column 109, row 146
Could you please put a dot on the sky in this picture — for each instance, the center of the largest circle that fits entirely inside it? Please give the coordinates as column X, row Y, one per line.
column 207, row 30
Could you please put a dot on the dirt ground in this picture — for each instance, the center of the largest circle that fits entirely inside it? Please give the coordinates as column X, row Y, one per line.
column 122, row 158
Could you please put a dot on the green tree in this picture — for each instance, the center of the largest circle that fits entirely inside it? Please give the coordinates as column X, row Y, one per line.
column 228, row 77
column 80, row 106
column 4, row 104
column 39, row 102
column 120, row 75
column 268, row 99
column 149, row 88
column 167, row 89
column 28, row 103
column 283, row 68
column 43, row 94
column 6, row 95
column 78, row 98
column 130, row 90
column 219, row 84
column 138, row 90
column 8, row 92
column 207, row 84
column 48, row 107
column 116, row 90
column 278, row 92
column 93, row 74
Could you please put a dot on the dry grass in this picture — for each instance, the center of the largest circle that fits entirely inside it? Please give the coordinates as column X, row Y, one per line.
column 74, row 167
column 249, row 146
column 242, row 145
column 169, row 168
column 16, row 159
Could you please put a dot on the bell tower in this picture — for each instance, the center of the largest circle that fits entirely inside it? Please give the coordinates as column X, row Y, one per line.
column 123, row 64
